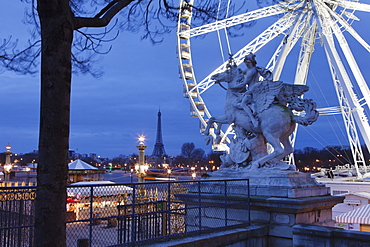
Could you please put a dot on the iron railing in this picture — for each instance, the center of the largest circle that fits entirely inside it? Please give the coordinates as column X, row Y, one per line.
column 16, row 216
column 133, row 213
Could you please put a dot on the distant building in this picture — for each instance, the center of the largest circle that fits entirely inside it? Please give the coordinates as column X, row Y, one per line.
column 354, row 212
column 159, row 154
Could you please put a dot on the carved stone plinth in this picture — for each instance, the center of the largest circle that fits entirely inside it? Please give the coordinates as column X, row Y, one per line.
column 278, row 199
column 276, row 183
column 281, row 214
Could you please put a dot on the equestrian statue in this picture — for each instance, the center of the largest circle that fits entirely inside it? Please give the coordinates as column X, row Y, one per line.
column 261, row 113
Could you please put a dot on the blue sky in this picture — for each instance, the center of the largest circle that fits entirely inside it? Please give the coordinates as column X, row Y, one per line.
column 107, row 114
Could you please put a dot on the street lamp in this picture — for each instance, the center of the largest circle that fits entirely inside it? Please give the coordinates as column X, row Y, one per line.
column 7, row 166
column 141, row 168
column 28, row 175
column 7, row 169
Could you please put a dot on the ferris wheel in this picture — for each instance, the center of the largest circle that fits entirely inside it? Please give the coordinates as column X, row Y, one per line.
column 298, row 25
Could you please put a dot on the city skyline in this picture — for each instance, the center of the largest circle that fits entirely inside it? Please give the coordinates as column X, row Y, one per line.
column 109, row 113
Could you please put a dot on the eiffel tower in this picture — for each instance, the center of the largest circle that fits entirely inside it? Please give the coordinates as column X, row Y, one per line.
column 158, row 150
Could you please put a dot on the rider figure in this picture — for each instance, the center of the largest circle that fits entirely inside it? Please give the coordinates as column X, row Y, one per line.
column 251, row 77
column 252, row 74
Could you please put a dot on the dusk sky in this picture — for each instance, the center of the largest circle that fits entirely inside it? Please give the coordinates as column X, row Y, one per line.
column 108, row 113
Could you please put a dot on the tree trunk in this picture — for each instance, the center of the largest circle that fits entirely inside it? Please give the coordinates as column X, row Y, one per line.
column 56, row 21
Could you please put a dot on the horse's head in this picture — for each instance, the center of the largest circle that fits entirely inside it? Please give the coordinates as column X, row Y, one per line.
column 231, row 74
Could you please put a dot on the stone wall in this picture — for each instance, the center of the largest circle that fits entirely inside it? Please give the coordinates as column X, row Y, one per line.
column 252, row 236
column 258, row 236
column 320, row 236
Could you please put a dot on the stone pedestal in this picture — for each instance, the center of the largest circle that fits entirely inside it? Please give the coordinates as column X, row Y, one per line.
column 281, row 214
column 286, row 184
column 277, row 199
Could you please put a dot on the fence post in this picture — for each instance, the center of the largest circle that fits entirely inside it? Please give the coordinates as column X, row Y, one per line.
column 133, row 223
column 169, row 209
column 249, row 203
column 91, row 214
column 164, row 219
column 199, row 207
column 225, row 182
column 20, row 221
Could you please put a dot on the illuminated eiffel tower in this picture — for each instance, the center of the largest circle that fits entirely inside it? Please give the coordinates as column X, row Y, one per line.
column 158, row 150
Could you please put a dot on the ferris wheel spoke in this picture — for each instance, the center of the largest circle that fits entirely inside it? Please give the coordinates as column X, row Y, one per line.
column 229, row 131
column 348, row 27
column 350, row 5
column 343, row 82
column 304, row 60
column 305, row 54
column 349, row 120
column 276, row 9
column 350, row 108
column 289, row 42
column 333, row 56
column 350, row 58
column 274, row 58
column 331, row 110
column 261, row 40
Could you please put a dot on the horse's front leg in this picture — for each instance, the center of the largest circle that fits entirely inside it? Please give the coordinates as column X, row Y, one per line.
column 208, row 138
column 208, row 127
column 219, row 120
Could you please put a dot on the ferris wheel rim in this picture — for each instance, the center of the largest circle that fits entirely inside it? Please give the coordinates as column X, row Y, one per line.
column 198, row 87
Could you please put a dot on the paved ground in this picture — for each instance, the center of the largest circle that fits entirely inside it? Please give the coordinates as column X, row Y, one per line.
column 101, row 234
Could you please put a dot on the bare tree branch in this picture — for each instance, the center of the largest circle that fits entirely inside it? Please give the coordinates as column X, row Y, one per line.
column 151, row 17
column 22, row 62
column 106, row 14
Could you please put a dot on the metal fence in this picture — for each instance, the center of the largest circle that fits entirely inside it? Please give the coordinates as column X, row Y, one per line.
column 16, row 216
column 130, row 214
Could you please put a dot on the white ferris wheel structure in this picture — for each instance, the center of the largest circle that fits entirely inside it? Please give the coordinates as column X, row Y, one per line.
column 298, row 26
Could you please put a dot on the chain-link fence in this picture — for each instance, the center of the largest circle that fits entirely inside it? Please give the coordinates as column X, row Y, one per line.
column 129, row 214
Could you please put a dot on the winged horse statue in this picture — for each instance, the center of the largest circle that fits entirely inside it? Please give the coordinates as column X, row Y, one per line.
column 261, row 112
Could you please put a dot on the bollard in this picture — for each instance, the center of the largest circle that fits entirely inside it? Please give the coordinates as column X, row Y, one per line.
column 83, row 242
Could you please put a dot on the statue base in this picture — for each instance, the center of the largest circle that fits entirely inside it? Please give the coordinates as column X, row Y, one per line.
column 288, row 184
column 278, row 199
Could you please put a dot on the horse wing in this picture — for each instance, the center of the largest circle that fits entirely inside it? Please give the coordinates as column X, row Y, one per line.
column 289, row 90
column 264, row 93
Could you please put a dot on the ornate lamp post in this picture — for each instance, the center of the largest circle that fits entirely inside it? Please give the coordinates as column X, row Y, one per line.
column 28, row 175
column 141, row 167
column 8, row 165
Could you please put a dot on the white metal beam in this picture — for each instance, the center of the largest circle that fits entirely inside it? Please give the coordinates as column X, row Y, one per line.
column 276, row 9
column 350, row 5
column 361, row 118
column 307, row 48
column 305, row 54
column 350, row 30
column 347, row 98
column 288, row 43
column 347, row 114
column 269, row 34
